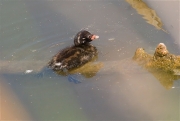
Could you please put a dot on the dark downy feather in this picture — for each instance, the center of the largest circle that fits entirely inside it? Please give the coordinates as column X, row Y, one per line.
column 74, row 56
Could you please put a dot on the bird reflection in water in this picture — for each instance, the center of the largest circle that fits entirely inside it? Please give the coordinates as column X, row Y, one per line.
column 88, row 70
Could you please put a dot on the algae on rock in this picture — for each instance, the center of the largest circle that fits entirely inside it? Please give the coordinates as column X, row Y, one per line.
column 163, row 65
column 148, row 14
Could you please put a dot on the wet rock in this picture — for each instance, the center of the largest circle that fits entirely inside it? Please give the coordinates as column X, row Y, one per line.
column 161, row 60
column 163, row 65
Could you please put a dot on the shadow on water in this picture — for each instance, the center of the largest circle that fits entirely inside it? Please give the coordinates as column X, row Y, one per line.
column 114, row 95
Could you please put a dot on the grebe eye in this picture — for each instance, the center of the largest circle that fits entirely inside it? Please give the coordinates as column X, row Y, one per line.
column 89, row 36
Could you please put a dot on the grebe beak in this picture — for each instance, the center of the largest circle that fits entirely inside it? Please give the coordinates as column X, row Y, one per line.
column 94, row 37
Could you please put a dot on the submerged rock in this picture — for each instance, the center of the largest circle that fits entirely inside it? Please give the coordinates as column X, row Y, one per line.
column 161, row 60
column 163, row 65
column 148, row 14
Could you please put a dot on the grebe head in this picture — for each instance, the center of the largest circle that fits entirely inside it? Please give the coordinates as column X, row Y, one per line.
column 84, row 37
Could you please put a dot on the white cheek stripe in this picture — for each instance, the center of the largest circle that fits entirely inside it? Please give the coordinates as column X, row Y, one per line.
column 78, row 39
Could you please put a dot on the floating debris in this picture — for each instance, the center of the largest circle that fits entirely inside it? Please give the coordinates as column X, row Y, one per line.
column 28, row 71
column 111, row 39
column 33, row 50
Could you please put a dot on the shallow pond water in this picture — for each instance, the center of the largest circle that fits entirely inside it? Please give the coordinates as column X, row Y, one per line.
column 33, row 31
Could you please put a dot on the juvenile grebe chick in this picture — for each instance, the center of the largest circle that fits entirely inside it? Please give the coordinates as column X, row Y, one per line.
column 77, row 55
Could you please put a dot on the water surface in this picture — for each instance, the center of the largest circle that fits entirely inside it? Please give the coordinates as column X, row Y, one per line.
column 33, row 31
